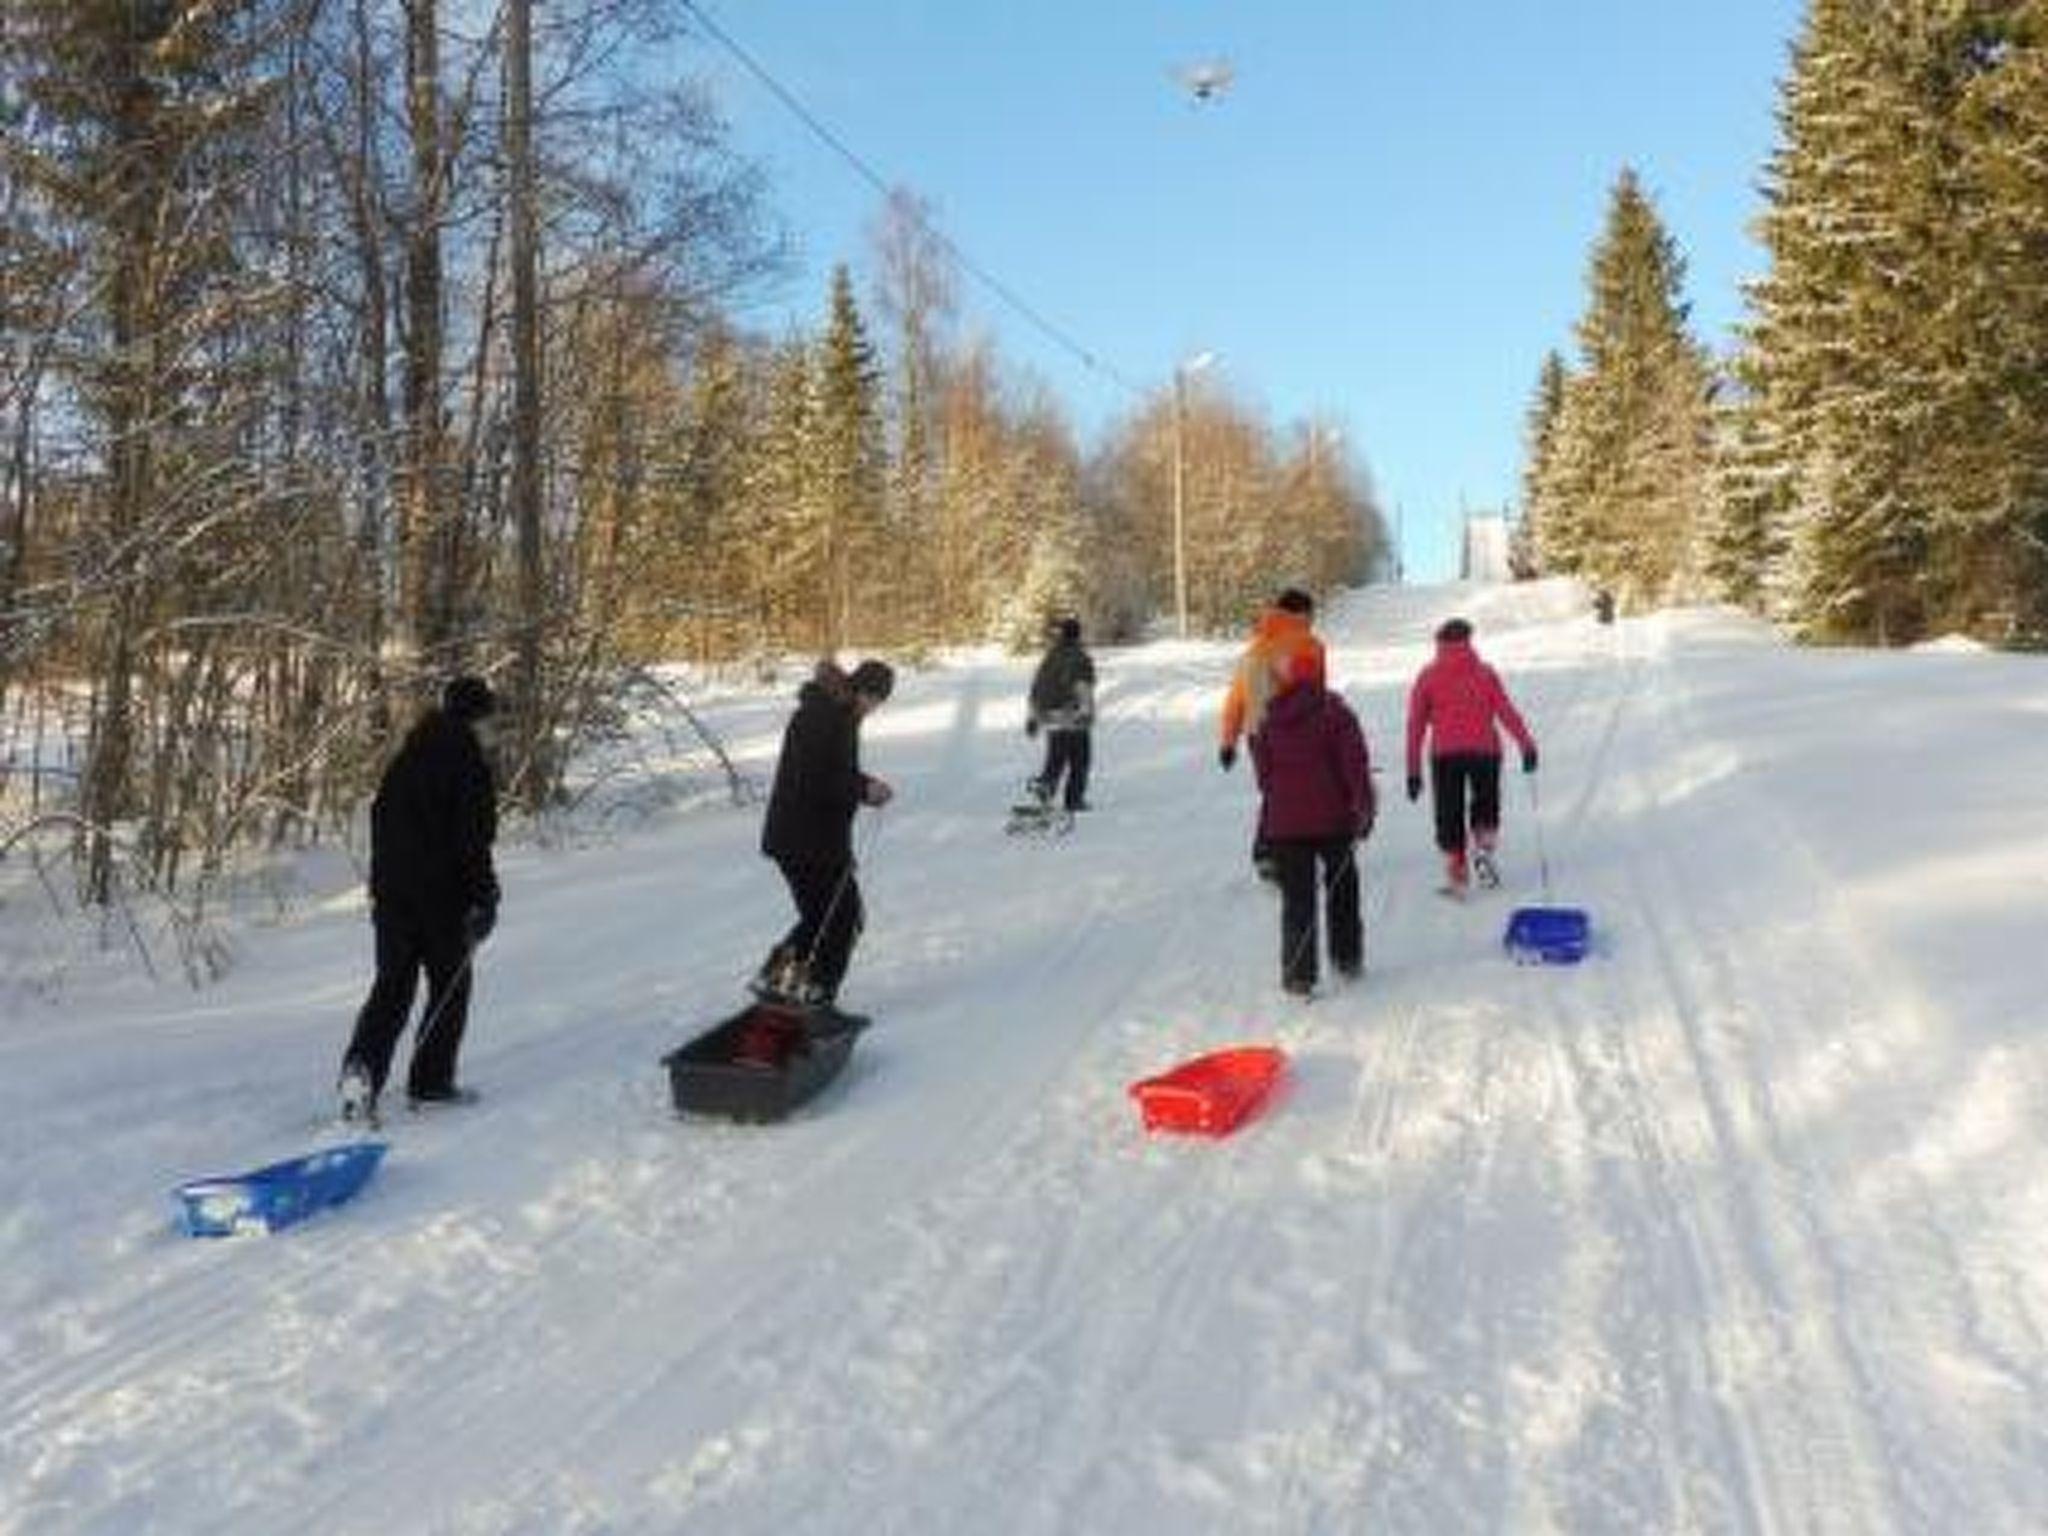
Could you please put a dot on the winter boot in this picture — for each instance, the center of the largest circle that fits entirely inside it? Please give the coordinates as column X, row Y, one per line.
column 781, row 974
column 358, row 1096
column 1484, row 870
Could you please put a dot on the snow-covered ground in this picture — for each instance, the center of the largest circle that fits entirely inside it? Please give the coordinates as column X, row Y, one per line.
column 1742, row 1225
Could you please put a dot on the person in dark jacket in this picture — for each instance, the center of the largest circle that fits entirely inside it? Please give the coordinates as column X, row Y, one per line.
column 433, row 897
column 808, row 831
column 1062, row 705
column 1316, row 805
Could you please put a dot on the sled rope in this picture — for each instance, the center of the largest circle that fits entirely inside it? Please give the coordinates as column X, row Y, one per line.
column 866, row 848
column 433, row 1019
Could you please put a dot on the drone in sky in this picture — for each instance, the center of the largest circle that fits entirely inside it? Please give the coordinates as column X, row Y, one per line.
column 1206, row 81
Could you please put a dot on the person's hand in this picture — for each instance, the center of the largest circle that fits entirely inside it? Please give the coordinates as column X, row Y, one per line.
column 1528, row 759
column 877, row 793
column 1414, row 786
column 477, row 924
column 1365, row 826
column 1226, row 757
column 1031, row 726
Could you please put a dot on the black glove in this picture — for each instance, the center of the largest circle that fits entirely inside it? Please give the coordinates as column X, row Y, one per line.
column 477, row 924
column 1031, row 726
column 1365, row 827
column 1528, row 759
column 1414, row 786
column 1226, row 757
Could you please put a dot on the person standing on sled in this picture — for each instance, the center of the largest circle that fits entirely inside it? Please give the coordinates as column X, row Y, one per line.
column 433, row 898
column 809, row 831
column 1316, row 806
column 1456, row 701
column 1062, row 705
column 1283, row 654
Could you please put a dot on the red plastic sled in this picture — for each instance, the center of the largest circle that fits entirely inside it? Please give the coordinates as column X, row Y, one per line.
column 1212, row 1095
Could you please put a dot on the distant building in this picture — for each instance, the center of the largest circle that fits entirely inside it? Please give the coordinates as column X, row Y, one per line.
column 1484, row 555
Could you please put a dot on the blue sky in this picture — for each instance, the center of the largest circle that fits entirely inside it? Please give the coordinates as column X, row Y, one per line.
column 1383, row 224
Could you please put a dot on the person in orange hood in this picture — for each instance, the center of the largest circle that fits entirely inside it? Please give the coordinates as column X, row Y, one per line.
column 1284, row 653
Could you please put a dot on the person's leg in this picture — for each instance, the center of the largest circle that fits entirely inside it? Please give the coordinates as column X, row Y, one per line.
column 1047, row 781
column 448, row 955
column 1297, row 873
column 810, row 888
column 1485, row 772
column 1341, row 908
column 1447, row 799
column 1079, row 749
column 385, row 1010
column 839, row 926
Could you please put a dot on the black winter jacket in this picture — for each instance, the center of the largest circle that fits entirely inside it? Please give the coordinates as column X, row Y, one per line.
column 818, row 782
column 433, row 823
column 1063, row 688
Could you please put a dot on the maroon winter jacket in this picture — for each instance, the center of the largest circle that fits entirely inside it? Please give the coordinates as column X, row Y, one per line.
column 1315, row 776
column 1455, row 702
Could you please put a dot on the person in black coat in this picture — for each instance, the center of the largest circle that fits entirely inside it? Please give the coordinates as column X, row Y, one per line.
column 433, row 895
column 808, row 831
column 1063, row 706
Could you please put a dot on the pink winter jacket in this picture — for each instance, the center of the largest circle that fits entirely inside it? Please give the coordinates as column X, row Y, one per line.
column 1455, row 702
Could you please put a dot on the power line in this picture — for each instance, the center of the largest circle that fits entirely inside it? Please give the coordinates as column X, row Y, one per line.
column 873, row 178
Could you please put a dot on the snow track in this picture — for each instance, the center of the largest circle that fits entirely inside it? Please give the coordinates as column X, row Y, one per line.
column 1733, row 1228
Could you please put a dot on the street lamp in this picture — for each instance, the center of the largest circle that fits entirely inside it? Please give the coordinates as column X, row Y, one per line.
column 1194, row 364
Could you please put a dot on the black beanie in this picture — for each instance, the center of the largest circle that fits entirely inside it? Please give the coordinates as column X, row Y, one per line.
column 873, row 678
column 1294, row 600
column 1454, row 629
column 468, row 698
column 1070, row 630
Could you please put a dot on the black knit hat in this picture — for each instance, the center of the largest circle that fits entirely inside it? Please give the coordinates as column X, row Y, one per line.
column 1454, row 629
column 1070, row 630
column 874, row 678
column 1294, row 600
column 468, row 698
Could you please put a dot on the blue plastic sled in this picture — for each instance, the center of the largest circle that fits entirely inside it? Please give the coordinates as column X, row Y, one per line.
column 275, row 1197
column 1547, row 935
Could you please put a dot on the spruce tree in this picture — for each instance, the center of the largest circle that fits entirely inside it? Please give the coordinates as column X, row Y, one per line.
column 1544, row 535
column 1627, row 466
column 851, row 466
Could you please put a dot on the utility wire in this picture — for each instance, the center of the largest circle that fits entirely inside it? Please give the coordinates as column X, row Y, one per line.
column 874, row 179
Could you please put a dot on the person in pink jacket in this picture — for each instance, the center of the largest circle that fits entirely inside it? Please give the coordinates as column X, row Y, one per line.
column 1456, row 703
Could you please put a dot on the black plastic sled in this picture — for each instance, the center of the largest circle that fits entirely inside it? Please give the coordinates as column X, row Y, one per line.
column 760, row 1064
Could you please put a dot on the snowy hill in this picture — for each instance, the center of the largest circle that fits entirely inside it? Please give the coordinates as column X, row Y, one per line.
column 1741, row 1225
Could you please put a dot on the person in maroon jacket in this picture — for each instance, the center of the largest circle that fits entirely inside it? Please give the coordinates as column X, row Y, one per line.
column 1315, row 787
column 1456, row 701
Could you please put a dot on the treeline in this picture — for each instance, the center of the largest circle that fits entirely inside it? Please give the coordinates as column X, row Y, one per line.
column 345, row 344
column 1871, row 464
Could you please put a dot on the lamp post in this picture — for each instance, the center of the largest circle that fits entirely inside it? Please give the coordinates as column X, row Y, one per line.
column 1194, row 364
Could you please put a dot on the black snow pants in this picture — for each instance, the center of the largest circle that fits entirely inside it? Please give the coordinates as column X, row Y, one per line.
column 829, row 919
column 1455, row 779
column 1066, row 752
column 1298, row 861
column 410, row 940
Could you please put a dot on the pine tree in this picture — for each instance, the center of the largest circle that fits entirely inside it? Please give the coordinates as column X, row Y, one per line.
column 851, row 464
column 1626, row 483
column 1545, row 537
column 1896, row 348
